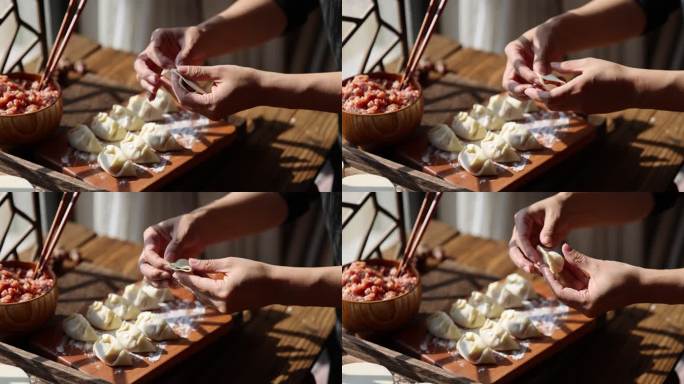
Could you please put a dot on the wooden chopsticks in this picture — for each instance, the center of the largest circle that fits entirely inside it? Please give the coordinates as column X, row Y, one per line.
column 433, row 13
column 63, row 212
column 62, row 38
column 424, row 216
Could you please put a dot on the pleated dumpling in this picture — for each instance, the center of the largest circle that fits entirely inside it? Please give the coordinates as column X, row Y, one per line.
column 140, row 298
column 466, row 127
column 142, row 107
column 485, row 305
column 497, row 149
column 159, row 138
column 520, row 286
column 78, row 328
column 113, row 161
column 83, row 139
column 466, row 315
column 439, row 324
column 133, row 340
column 442, row 137
column 475, row 162
column 121, row 306
column 500, row 293
column 160, row 294
column 101, row 317
column 552, row 259
column 519, row 137
column 519, row 325
column 136, row 150
column 473, row 349
column 497, row 337
column 155, row 327
column 126, row 118
column 107, row 128
column 524, row 106
column 108, row 349
column 164, row 102
column 486, row 117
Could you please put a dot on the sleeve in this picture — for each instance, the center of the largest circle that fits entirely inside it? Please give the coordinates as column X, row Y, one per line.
column 663, row 201
column 298, row 203
column 657, row 11
column 296, row 11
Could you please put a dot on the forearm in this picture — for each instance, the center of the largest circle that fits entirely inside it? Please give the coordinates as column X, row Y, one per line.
column 656, row 89
column 314, row 91
column 593, row 208
column 659, row 286
column 307, row 286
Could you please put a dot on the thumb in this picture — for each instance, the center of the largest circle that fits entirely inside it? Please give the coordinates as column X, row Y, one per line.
column 174, row 249
column 578, row 259
column 548, row 235
column 570, row 66
column 196, row 72
column 211, row 265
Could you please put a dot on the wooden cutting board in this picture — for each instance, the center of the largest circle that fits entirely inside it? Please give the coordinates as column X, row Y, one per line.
column 90, row 95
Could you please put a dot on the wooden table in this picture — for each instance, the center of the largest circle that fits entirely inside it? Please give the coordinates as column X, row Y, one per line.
column 642, row 151
column 640, row 343
column 278, row 344
column 280, row 149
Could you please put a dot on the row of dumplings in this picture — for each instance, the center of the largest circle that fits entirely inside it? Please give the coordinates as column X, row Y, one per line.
column 129, row 140
column 499, row 137
column 134, row 329
column 487, row 322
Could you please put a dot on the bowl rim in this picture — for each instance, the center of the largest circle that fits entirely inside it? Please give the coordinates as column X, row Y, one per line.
column 48, row 270
column 36, row 77
column 414, row 82
column 412, row 269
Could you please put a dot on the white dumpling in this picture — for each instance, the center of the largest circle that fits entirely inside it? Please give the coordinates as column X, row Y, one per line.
column 78, row 328
column 140, row 298
column 439, row 324
column 466, row 315
column 114, row 162
column 142, row 107
column 83, row 139
column 519, row 325
column 552, row 259
column 160, row 294
column 466, row 127
column 101, row 317
column 486, row 117
column 519, row 137
column 164, row 102
column 497, row 149
column 126, row 118
column 473, row 349
column 497, row 337
column 159, row 138
column 475, row 162
column 495, row 102
column 155, row 327
column 121, row 306
column 507, row 299
column 442, row 137
column 133, row 340
column 136, row 150
column 485, row 305
column 520, row 286
column 107, row 128
column 108, row 349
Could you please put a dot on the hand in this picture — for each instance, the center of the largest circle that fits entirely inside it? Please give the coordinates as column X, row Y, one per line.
column 168, row 48
column 599, row 87
column 245, row 284
column 596, row 285
column 234, row 89
column 166, row 242
column 530, row 54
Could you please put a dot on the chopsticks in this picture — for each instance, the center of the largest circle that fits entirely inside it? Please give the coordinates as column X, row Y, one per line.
column 62, row 38
column 63, row 211
column 424, row 216
column 433, row 13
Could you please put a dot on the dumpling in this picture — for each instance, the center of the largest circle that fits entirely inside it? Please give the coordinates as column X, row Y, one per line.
column 83, row 139
column 507, row 299
column 497, row 149
column 485, row 305
column 113, row 161
column 77, row 327
column 136, row 150
column 510, row 109
column 520, row 286
column 439, row 324
column 107, row 128
column 101, row 317
column 132, row 339
column 159, row 138
column 519, row 325
column 442, row 137
column 160, row 294
column 126, row 118
column 474, row 161
column 495, row 102
column 473, row 349
column 164, row 102
column 466, row 127
column 121, row 307
column 486, row 117
column 140, row 298
column 519, row 137
column 497, row 337
column 466, row 315
column 553, row 259
column 155, row 327
column 108, row 349
column 142, row 107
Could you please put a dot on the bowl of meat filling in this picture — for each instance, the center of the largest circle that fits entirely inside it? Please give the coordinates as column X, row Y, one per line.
column 26, row 301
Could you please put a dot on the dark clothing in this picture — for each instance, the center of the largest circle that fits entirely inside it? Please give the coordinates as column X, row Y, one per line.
column 657, row 11
column 663, row 201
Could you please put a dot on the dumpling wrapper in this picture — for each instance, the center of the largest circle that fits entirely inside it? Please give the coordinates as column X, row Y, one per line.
column 475, row 162
column 520, row 286
column 497, row 337
column 519, row 325
column 505, row 298
column 442, row 137
column 497, row 149
column 552, row 259
column 485, row 305
column 108, row 349
column 550, row 81
column 107, row 128
column 473, row 349
column 133, row 340
column 126, row 118
column 142, row 107
column 466, row 315
column 159, row 138
column 83, row 139
column 519, row 137
column 78, row 328
column 467, row 128
column 101, row 317
column 113, row 161
column 155, row 327
column 439, row 324
column 136, row 150
column 121, row 306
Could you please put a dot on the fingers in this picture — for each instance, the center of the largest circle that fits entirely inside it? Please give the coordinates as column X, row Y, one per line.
column 522, row 228
column 578, row 259
column 148, row 73
column 547, row 236
column 519, row 259
column 569, row 296
column 174, row 250
column 203, row 285
column 152, row 266
column 195, row 72
column 574, row 67
column 211, row 265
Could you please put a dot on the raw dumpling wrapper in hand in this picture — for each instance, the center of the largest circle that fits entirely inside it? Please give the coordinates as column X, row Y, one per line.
column 497, row 337
column 485, row 305
column 159, row 138
column 114, row 162
column 108, row 349
column 497, row 149
column 466, row 315
column 101, row 317
column 83, row 139
column 439, row 324
column 77, row 327
column 442, row 137
column 519, row 325
column 126, row 118
column 466, row 127
column 500, row 293
column 133, row 339
column 520, row 286
column 143, row 108
column 155, row 327
column 519, row 137
column 136, row 150
column 552, row 259
column 473, row 349
column 107, row 128
column 475, row 162
column 121, row 306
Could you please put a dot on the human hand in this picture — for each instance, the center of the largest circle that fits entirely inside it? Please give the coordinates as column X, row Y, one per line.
column 244, row 284
column 593, row 286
